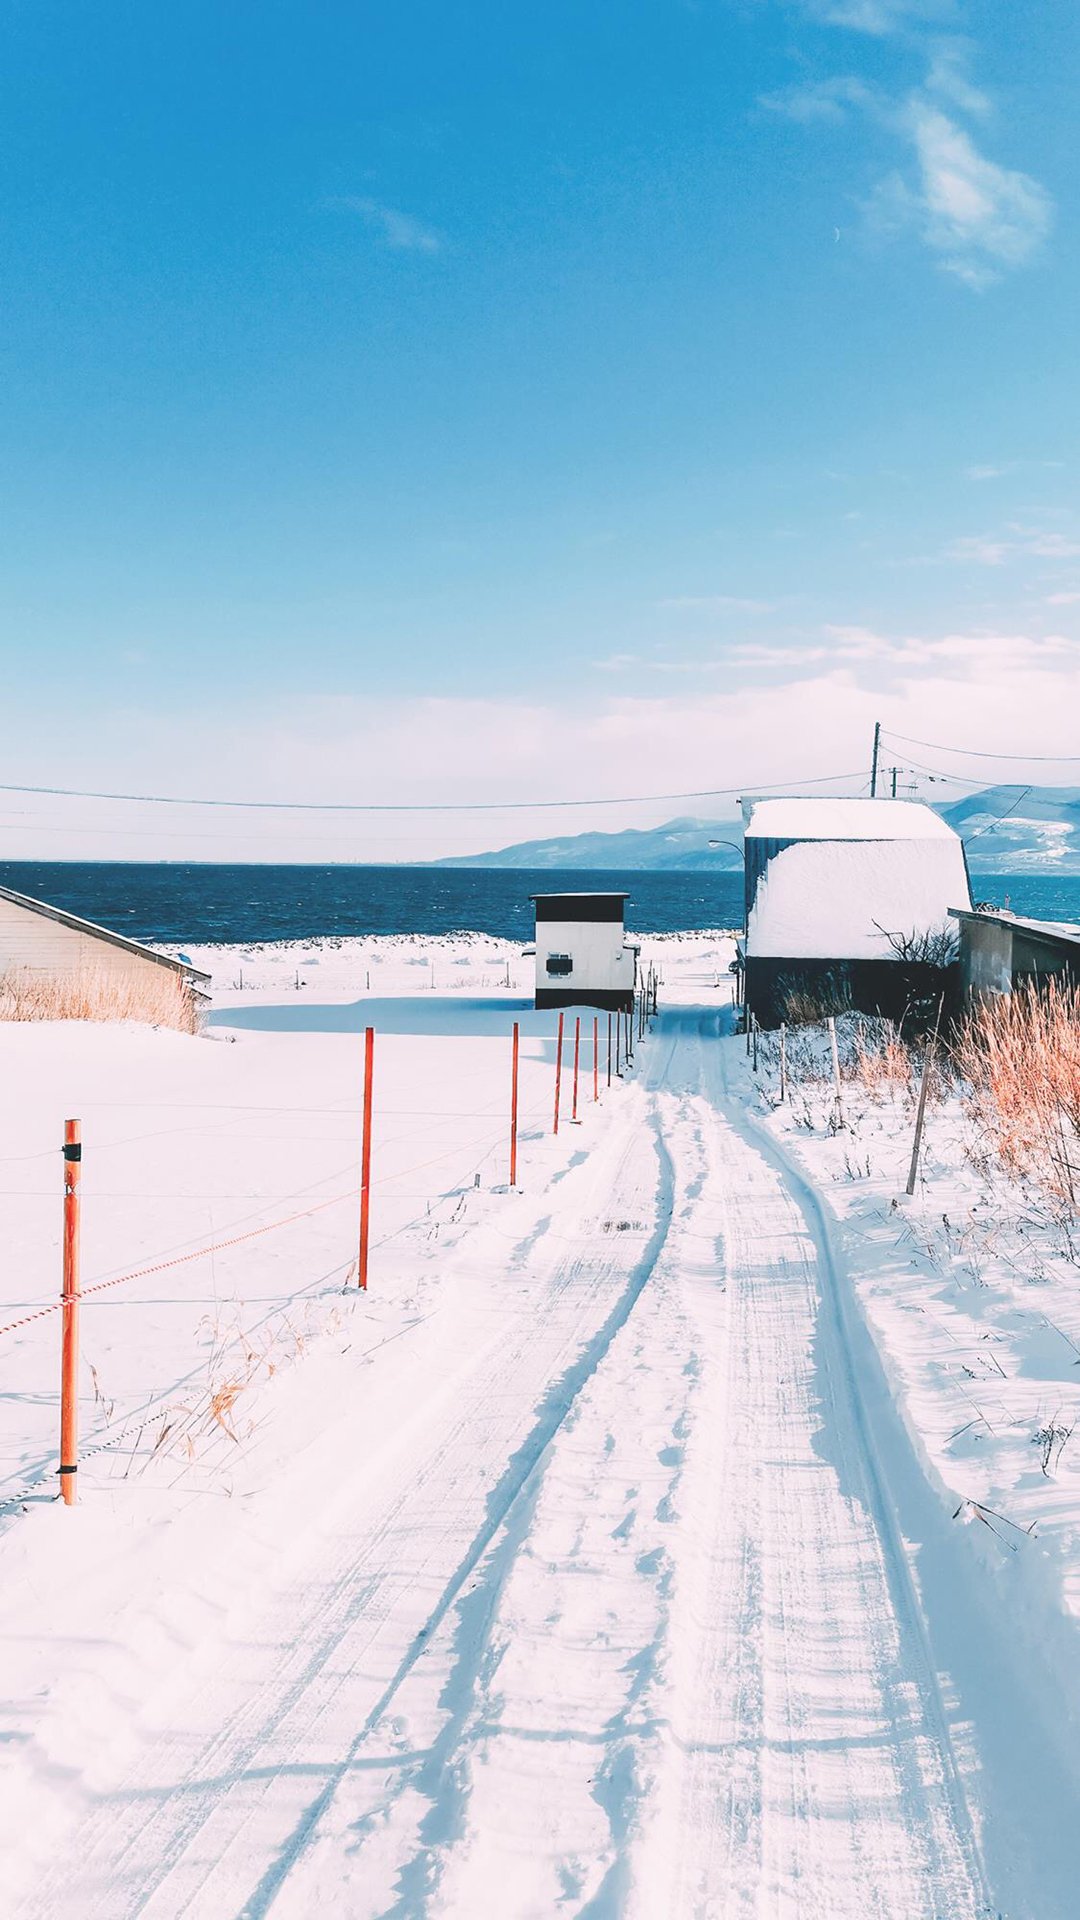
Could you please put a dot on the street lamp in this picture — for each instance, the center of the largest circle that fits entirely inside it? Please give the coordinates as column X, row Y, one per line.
column 733, row 844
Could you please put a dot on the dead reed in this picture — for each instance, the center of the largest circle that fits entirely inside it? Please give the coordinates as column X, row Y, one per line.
column 1020, row 1055
column 159, row 998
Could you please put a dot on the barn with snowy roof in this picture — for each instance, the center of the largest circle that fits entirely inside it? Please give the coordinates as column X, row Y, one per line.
column 847, row 903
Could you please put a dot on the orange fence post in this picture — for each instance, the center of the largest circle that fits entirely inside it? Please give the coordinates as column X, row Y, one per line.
column 513, row 1109
column 609, row 1049
column 577, row 1054
column 365, row 1156
column 69, row 1353
column 558, row 1072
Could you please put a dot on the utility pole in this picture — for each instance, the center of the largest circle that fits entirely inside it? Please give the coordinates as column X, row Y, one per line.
column 873, row 769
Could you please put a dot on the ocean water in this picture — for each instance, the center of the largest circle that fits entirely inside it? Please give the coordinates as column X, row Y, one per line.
column 242, row 904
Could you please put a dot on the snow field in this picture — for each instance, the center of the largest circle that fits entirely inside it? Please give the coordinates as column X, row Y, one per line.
column 598, row 1562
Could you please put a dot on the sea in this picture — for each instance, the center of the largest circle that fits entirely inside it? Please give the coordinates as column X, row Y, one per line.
column 171, row 904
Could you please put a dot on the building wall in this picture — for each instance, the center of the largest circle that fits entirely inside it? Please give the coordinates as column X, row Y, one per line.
column 602, row 963
column 1034, row 958
column 33, row 943
column 986, row 959
column 886, row 987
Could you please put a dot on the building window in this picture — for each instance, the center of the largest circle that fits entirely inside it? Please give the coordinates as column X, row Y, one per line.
column 560, row 963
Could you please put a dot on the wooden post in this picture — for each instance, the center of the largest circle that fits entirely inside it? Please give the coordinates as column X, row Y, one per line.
column 753, row 1024
column 836, row 1071
column 69, row 1352
column 874, row 763
column 514, row 1107
column 577, row 1057
column 783, row 1063
column 595, row 1057
column 609, row 1048
column 365, row 1156
column 920, row 1116
column 558, row 1072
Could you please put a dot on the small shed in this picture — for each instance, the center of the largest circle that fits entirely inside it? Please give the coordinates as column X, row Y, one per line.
column 583, row 957
column 54, row 965
column 847, row 902
column 1000, row 951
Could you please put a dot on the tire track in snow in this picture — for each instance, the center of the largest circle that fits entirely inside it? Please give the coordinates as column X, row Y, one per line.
column 577, row 1640
column 835, row 1783
column 510, row 1513
column 188, row 1843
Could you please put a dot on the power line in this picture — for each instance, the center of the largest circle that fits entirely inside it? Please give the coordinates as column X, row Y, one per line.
column 970, row 753
column 996, row 822
column 942, row 773
column 433, row 806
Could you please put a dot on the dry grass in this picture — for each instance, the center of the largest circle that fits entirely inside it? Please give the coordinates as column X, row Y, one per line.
column 159, row 998
column 1020, row 1055
column 884, row 1068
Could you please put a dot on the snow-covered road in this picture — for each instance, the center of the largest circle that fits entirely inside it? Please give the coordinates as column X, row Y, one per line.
column 615, row 1620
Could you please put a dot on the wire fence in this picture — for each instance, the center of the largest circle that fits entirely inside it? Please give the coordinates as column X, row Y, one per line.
column 199, row 1401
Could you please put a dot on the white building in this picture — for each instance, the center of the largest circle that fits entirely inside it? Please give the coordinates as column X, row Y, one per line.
column 844, row 898
column 583, row 957
column 54, row 964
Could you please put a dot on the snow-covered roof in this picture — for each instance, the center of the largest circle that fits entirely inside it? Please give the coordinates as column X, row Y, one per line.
column 1000, row 916
column 820, row 819
column 841, row 899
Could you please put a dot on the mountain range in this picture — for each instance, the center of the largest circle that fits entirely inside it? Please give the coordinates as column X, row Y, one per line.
column 1005, row 829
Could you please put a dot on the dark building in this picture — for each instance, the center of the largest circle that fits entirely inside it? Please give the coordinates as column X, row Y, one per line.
column 847, row 904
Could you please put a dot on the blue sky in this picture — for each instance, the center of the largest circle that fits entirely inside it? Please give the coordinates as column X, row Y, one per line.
column 449, row 400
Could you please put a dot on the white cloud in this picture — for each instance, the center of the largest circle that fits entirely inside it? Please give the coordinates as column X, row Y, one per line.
column 948, row 77
column 980, row 218
column 398, row 230
column 988, row 473
column 1047, row 546
column 816, row 718
column 718, row 601
column 1062, row 599
column 975, row 547
column 992, row 550
column 878, row 17
column 819, row 99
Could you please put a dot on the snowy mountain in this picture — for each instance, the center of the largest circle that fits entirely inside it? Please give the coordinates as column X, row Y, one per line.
column 1008, row 830
column 1004, row 829
column 680, row 843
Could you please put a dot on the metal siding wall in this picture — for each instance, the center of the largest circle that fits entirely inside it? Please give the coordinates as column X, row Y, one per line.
column 602, row 963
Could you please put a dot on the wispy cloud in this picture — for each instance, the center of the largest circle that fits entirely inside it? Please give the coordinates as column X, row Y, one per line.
column 727, row 602
column 979, row 549
column 989, row 473
column 993, row 549
column 948, row 77
column 819, row 99
column 1062, row 599
column 878, row 17
column 978, row 217
column 396, row 229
